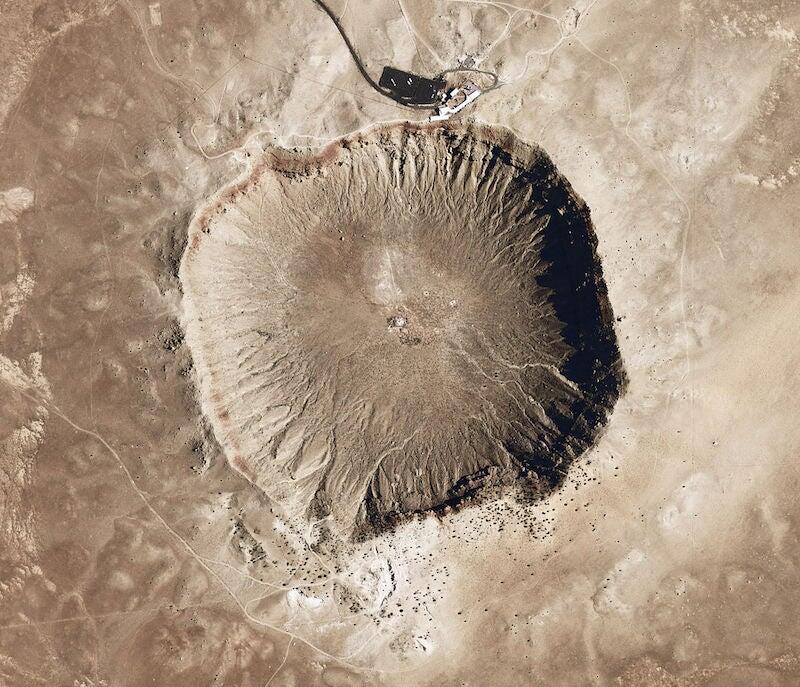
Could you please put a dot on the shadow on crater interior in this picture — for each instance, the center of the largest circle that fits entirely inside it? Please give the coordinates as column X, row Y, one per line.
column 407, row 320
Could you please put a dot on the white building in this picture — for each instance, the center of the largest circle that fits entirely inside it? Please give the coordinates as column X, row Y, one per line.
column 456, row 101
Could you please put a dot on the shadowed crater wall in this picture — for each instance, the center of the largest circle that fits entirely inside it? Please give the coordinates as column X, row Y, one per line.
column 410, row 317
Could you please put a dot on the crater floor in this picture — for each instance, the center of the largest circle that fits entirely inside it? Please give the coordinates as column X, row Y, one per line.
column 406, row 319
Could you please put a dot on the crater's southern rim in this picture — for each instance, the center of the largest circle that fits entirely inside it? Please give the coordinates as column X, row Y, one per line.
column 406, row 319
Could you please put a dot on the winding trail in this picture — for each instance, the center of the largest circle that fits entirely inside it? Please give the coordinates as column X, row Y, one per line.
column 23, row 387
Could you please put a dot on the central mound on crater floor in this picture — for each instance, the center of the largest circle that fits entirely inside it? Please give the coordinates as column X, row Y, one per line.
column 400, row 321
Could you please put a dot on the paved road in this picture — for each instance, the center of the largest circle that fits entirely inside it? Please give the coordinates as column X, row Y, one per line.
column 374, row 84
column 361, row 68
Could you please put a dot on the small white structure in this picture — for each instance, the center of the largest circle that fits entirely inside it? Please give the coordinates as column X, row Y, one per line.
column 456, row 101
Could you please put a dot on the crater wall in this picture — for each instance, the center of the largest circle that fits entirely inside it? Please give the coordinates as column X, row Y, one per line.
column 409, row 318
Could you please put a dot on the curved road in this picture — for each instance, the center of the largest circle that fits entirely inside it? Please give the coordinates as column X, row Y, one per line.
column 374, row 84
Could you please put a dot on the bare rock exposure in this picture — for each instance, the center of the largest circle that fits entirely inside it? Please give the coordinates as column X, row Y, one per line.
column 410, row 317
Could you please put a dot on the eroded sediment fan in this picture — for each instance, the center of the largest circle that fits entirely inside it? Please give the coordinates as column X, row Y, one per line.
column 391, row 324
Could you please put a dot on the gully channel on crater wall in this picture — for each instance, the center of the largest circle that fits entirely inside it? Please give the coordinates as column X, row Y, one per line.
column 407, row 319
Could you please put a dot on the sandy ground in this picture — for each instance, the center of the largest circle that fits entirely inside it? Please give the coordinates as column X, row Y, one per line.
column 130, row 552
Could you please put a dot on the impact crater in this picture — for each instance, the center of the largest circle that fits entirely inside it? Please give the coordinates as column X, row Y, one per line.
column 404, row 320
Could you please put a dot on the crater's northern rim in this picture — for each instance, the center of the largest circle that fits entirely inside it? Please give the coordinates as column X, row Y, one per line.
column 407, row 318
